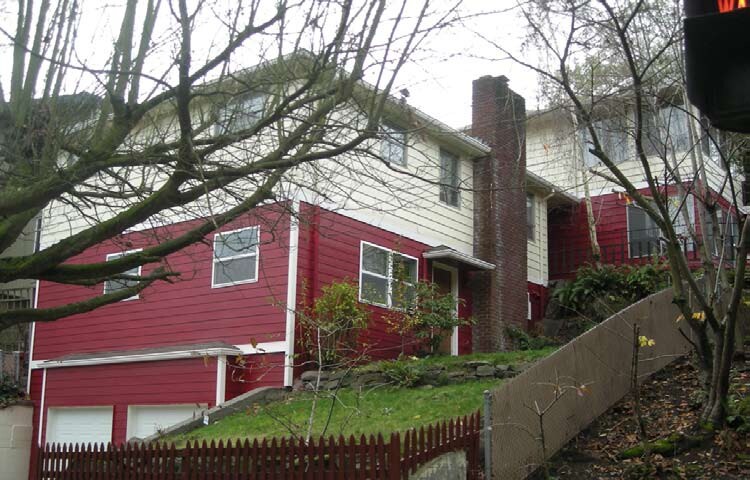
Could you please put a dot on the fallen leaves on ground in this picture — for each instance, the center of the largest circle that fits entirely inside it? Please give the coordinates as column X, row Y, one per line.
column 670, row 402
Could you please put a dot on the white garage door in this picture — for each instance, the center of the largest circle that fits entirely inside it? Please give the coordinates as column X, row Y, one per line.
column 145, row 420
column 84, row 424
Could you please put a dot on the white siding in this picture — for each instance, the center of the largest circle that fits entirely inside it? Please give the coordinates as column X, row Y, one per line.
column 407, row 203
column 555, row 152
column 353, row 184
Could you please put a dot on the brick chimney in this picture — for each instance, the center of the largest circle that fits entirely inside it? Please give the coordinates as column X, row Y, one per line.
column 499, row 298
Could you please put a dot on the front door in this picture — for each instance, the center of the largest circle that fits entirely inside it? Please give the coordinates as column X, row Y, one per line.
column 446, row 279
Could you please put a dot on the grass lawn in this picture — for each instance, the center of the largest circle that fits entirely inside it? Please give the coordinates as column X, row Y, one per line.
column 376, row 410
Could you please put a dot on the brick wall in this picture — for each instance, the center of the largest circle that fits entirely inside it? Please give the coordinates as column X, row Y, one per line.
column 498, row 116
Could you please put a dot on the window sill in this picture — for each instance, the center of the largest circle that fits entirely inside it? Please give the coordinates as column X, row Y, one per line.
column 232, row 284
column 454, row 207
column 373, row 304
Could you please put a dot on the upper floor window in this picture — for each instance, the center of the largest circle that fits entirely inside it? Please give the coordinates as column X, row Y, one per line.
column 530, row 217
column 666, row 129
column 386, row 278
column 113, row 285
column 240, row 113
column 235, row 258
column 612, row 138
column 393, row 145
column 449, row 178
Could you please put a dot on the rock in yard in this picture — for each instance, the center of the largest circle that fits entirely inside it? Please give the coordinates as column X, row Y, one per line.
column 485, row 371
column 312, row 375
column 370, row 379
column 476, row 363
column 457, row 376
column 331, row 385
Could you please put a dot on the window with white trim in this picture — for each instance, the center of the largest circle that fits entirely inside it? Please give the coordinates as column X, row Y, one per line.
column 450, row 174
column 386, row 278
column 393, row 145
column 240, row 113
column 530, row 217
column 235, row 258
column 116, row 284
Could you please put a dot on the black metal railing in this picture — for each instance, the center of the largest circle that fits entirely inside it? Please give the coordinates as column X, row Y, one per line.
column 565, row 261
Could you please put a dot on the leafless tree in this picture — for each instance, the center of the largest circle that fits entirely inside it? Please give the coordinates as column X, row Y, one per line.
column 616, row 66
column 169, row 122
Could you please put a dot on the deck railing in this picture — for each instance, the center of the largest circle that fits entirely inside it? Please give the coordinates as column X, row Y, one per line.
column 16, row 298
column 13, row 340
column 564, row 261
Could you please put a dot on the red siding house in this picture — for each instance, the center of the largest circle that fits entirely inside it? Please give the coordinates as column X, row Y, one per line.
column 128, row 369
column 558, row 150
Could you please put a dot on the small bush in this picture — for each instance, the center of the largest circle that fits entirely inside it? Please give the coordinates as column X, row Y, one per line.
column 331, row 326
column 10, row 393
column 403, row 373
column 596, row 292
column 526, row 341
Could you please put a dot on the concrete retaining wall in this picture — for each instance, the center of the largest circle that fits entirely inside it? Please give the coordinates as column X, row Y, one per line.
column 599, row 359
column 15, row 441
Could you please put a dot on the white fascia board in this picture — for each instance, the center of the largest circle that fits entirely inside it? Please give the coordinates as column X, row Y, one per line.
column 261, row 348
column 459, row 257
column 140, row 357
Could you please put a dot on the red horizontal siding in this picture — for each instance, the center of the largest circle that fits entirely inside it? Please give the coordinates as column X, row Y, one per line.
column 569, row 245
column 330, row 251
column 120, row 385
column 258, row 371
column 183, row 312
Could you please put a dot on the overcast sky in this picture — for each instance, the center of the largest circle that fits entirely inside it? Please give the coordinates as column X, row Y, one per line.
column 438, row 77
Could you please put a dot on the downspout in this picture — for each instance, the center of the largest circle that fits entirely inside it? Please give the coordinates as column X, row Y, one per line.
column 291, row 293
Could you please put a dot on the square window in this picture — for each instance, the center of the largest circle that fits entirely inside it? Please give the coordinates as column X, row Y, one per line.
column 386, row 278
column 240, row 113
column 235, row 258
column 114, row 285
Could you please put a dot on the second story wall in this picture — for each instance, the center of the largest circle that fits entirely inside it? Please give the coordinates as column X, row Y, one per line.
column 557, row 151
column 192, row 309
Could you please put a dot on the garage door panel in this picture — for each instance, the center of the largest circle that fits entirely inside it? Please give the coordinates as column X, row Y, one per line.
column 79, row 425
column 145, row 420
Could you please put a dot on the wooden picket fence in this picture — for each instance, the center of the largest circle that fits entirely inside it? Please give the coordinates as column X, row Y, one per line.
column 287, row 458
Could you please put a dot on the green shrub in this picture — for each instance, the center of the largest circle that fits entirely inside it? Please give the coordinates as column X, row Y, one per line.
column 403, row 372
column 330, row 327
column 428, row 314
column 598, row 291
column 9, row 393
column 525, row 341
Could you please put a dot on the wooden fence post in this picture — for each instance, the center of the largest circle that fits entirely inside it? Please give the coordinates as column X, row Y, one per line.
column 394, row 457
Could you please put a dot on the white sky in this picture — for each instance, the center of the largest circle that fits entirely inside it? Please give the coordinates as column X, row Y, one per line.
column 438, row 76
